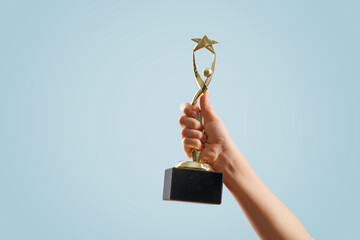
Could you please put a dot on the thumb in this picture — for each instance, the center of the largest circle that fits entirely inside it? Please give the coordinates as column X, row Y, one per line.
column 207, row 109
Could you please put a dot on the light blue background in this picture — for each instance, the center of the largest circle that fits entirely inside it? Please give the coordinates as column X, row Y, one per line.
column 89, row 105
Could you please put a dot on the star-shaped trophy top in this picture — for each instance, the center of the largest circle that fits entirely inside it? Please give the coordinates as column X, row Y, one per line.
column 204, row 42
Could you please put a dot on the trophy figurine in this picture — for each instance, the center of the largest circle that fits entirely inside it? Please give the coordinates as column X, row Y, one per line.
column 193, row 181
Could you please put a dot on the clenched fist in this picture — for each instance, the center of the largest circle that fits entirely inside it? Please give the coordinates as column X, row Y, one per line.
column 215, row 142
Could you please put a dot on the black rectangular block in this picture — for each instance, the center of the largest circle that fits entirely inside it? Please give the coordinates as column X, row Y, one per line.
column 190, row 185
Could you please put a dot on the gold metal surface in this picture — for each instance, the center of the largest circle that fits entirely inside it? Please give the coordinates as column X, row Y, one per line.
column 207, row 72
column 194, row 165
column 207, row 43
column 204, row 42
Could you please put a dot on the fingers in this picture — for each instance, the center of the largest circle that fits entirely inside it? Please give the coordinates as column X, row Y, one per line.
column 190, row 144
column 191, row 133
column 193, row 137
column 189, row 110
column 192, row 123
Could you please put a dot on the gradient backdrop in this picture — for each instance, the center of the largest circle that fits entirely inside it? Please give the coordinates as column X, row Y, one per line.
column 89, row 105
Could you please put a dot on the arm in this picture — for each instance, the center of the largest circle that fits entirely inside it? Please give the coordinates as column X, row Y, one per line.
column 269, row 217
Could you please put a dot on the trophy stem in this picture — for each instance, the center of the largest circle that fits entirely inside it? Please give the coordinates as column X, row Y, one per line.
column 196, row 155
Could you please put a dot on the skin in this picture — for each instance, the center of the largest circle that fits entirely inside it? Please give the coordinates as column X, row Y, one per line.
column 268, row 216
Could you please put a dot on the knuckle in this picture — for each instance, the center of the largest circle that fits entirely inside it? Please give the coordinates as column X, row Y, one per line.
column 183, row 107
column 190, row 111
column 196, row 124
column 185, row 142
column 191, row 133
column 187, row 111
column 201, row 135
column 198, row 144
column 191, row 123
column 191, row 143
column 197, row 134
column 183, row 132
column 182, row 119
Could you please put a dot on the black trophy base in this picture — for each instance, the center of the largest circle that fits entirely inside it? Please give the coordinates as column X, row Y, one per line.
column 190, row 185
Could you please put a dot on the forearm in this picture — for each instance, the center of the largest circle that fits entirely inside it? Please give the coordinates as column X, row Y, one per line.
column 269, row 217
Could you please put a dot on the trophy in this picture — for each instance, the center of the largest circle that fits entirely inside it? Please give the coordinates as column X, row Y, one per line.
column 193, row 181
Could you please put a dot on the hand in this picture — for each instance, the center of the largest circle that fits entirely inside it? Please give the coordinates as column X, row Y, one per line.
column 214, row 143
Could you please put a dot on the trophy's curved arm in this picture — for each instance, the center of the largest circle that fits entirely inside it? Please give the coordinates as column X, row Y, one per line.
column 207, row 81
column 196, row 96
column 198, row 79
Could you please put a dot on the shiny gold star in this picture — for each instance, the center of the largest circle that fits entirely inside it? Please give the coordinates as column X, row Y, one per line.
column 204, row 42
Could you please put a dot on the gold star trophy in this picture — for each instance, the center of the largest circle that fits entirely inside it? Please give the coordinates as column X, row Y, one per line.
column 193, row 181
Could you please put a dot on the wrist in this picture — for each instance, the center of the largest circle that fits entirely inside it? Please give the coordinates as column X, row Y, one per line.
column 225, row 160
column 235, row 167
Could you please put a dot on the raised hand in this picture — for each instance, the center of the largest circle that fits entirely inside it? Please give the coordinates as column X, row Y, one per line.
column 214, row 143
